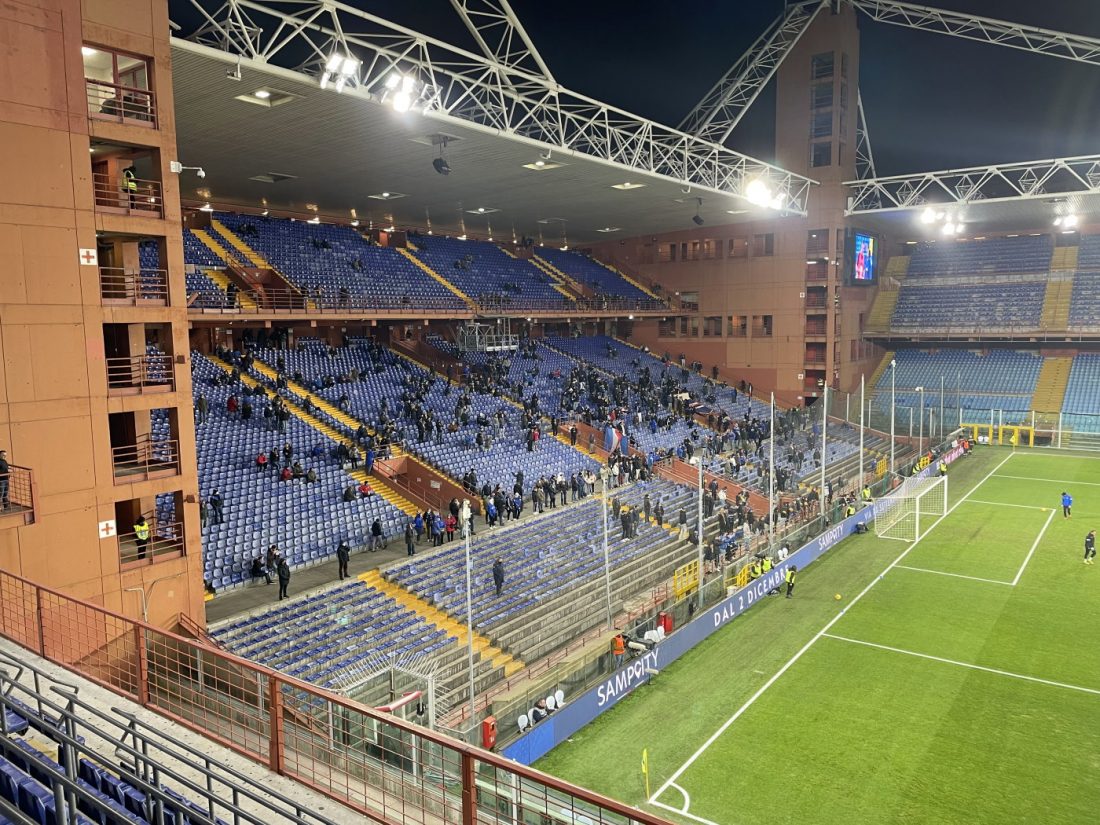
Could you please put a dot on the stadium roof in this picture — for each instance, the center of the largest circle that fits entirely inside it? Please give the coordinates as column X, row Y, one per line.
column 306, row 145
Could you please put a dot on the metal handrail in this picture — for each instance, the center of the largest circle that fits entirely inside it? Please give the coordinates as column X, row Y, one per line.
column 113, row 193
column 374, row 763
column 125, row 104
column 165, row 538
column 128, row 285
column 17, row 490
column 140, row 372
column 144, row 457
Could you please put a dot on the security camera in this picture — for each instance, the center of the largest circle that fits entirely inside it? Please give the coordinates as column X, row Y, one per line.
column 200, row 172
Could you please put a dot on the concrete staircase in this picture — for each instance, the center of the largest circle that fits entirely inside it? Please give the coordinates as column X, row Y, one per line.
column 435, row 275
column 434, row 616
column 1057, row 300
column 872, row 382
column 1050, row 389
column 248, row 252
column 1065, row 258
column 218, row 276
column 882, row 310
column 563, row 283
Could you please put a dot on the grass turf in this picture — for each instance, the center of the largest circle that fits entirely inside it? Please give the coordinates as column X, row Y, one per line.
column 851, row 733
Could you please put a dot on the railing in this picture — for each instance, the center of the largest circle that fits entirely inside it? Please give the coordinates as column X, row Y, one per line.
column 581, row 304
column 123, row 104
column 140, row 373
column 113, row 194
column 129, row 286
column 17, row 492
column 378, row 765
column 145, row 459
column 165, row 539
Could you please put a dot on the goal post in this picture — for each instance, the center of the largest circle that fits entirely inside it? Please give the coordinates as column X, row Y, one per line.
column 909, row 511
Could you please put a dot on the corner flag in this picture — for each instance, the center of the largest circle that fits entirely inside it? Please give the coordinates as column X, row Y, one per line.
column 645, row 770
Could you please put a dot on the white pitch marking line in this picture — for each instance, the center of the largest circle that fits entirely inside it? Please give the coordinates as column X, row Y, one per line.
column 687, row 799
column 1026, row 678
column 760, row 691
column 1006, row 504
column 683, row 813
column 1055, row 481
column 1031, row 552
column 953, row 575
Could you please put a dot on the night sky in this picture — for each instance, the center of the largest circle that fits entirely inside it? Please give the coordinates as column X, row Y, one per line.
column 932, row 102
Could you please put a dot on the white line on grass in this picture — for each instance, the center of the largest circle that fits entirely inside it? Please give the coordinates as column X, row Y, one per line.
column 1056, row 481
column 684, row 813
column 1026, row 678
column 687, row 799
column 1006, row 504
column 760, row 691
column 953, row 575
column 1031, row 552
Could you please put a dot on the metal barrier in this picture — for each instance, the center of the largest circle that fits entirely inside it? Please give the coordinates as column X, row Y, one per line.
column 145, row 458
column 379, row 765
column 165, row 539
column 140, row 373
column 124, row 104
column 115, row 194
column 17, row 492
column 129, row 286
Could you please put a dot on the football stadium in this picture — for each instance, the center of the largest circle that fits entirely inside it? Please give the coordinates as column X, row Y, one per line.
column 489, row 412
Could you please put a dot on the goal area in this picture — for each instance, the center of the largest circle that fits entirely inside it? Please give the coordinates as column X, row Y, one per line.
column 908, row 511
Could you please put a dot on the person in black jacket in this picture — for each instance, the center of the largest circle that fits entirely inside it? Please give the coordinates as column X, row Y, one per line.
column 498, row 575
column 284, row 578
column 343, row 556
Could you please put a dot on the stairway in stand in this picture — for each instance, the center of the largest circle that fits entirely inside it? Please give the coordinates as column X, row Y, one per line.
column 444, row 621
column 1050, row 389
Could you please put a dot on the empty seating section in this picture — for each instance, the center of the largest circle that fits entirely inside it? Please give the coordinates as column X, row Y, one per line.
column 337, row 266
column 593, row 274
column 559, row 555
column 1081, row 406
column 1025, row 254
column 454, row 452
column 338, row 636
column 486, row 273
column 999, row 380
column 198, row 257
column 1084, row 307
column 995, row 306
column 306, row 520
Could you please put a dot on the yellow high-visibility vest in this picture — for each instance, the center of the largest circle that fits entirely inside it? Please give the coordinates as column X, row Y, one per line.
column 142, row 531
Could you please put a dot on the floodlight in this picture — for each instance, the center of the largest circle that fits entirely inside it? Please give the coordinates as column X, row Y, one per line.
column 758, row 192
column 928, row 215
column 334, row 64
column 393, row 81
column 1069, row 221
column 402, row 101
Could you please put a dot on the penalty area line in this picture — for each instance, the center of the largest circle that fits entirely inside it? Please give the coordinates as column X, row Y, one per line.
column 798, row 655
column 968, row 665
column 954, row 575
column 1031, row 552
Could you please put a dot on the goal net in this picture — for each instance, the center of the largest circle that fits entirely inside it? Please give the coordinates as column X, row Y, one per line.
column 909, row 511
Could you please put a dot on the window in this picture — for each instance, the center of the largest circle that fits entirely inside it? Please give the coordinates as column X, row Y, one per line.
column 693, row 251
column 763, row 245
column 821, row 96
column 118, row 87
column 821, row 154
column 666, row 253
column 684, row 251
column 666, row 328
column 821, row 125
column 694, row 326
column 690, row 300
column 817, row 241
column 711, row 250
column 817, row 270
column 712, row 326
column 738, row 248
column 762, row 326
column 843, row 95
column 821, row 66
column 738, row 326
column 684, row 326
column 844, row 65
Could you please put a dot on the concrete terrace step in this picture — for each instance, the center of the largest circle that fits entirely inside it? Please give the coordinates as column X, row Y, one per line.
column 254, row 257
column 433, row 274
column 434, row 616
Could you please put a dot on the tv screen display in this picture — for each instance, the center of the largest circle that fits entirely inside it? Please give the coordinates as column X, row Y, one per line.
column 864, row 258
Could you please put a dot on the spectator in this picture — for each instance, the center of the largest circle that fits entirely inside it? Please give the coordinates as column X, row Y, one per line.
column 376, row 538
column 284, row 578
column 410, row 539
column 202, row 408
column 5, row 474
column 141, row 536
column 498, row 575
column 259, row 570
column 539, row 712
column 343, row 556
column 217, row 505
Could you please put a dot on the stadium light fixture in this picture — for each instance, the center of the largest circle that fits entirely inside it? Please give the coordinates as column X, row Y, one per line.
column 339, row 68
column 928, row 215
column 758, row 192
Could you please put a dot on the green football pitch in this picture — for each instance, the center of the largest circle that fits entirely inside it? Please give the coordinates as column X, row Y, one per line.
column 957, row 680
